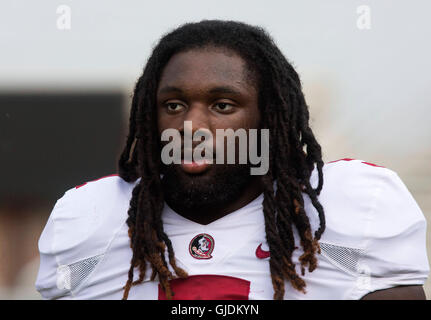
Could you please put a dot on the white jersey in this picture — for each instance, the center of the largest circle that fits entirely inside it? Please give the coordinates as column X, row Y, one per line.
column 374, row 239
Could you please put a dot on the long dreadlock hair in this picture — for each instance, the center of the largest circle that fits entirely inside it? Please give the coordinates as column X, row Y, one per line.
column 283, row 111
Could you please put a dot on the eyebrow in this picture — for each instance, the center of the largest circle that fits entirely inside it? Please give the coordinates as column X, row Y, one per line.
column 225, row 89
column 219, row 89
column 169, row 89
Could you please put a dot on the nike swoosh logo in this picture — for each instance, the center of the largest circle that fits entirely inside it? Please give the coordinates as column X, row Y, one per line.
column 262, row 254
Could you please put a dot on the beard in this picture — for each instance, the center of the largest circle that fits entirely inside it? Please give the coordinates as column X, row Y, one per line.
column 214, row 188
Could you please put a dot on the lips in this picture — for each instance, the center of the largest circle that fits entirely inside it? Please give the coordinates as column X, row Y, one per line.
column 195, row 167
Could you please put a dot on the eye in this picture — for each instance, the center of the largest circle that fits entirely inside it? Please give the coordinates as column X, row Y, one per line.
column 224, row 107
column 173, row 107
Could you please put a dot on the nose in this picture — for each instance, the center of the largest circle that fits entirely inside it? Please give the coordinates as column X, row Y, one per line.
column 196, row 125
column 199, row 117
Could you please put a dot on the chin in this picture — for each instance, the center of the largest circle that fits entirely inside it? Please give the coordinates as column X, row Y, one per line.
column 217, row 185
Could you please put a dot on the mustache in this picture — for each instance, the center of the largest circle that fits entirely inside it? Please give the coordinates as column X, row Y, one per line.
column 201, row 145
column 194, row 144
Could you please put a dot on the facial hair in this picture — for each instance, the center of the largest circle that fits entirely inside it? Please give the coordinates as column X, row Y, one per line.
column 220, row 185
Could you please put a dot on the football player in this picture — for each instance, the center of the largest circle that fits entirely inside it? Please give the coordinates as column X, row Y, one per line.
column 305, row 229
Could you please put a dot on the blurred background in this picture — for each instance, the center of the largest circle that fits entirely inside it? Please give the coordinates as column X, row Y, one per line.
column 68, row 68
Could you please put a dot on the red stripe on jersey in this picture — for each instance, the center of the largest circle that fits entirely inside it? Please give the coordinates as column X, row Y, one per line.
column 344, row 159
column 372, row 164
column 208, row 287
column 349, row 159
column 111, row 175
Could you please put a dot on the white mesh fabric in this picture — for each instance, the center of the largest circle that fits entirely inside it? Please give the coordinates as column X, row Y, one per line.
column 343, row 257
column 72, row 275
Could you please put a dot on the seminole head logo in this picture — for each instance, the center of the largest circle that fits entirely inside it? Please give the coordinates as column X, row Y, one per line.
column 202, row 246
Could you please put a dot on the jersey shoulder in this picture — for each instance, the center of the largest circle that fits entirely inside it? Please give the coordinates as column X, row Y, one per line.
column 81, row 226
column 359, row 196
column 375, row 230
column 95, row 209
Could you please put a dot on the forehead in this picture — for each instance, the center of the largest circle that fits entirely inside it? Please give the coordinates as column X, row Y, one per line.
column 205, row 66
